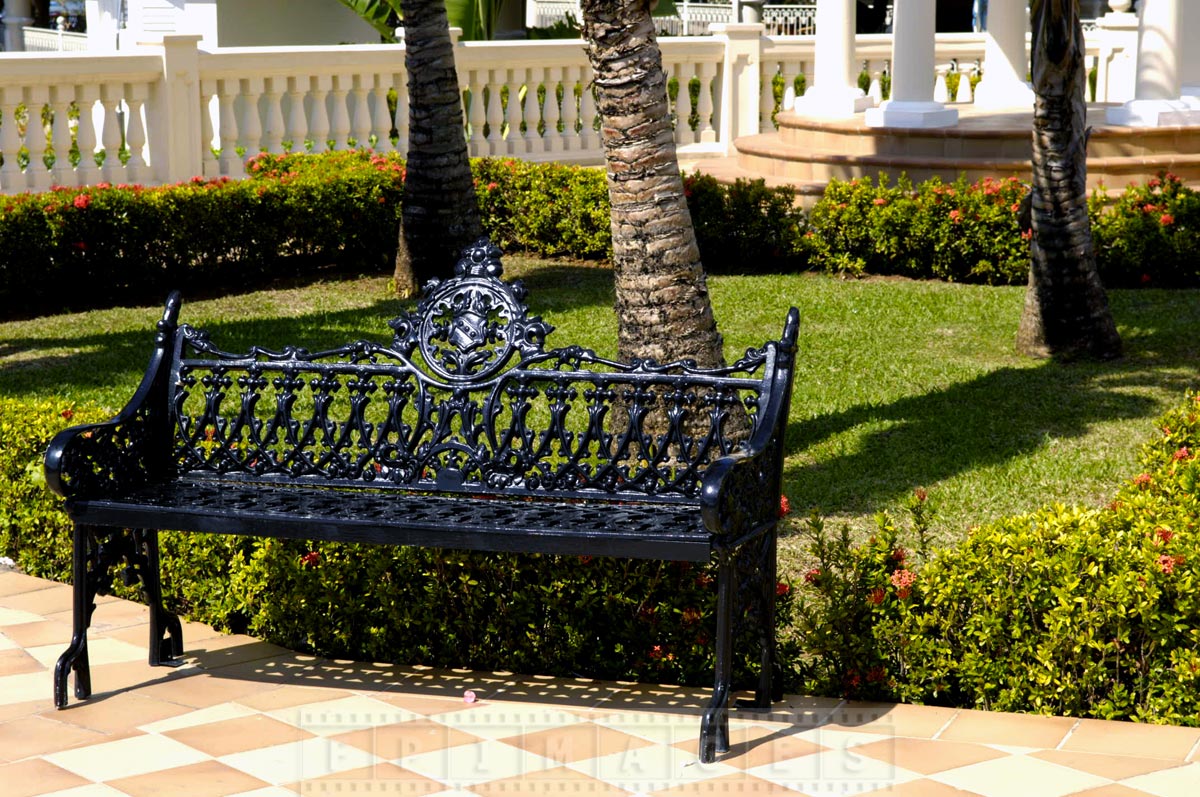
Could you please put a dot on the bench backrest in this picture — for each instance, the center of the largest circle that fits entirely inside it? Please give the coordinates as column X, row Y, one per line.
column 466, row 398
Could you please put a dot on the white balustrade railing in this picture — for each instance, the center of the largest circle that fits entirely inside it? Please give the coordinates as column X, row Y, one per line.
column 45, row 40
column 172, row 111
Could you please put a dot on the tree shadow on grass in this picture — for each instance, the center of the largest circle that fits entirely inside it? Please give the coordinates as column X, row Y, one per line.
column 921, row 439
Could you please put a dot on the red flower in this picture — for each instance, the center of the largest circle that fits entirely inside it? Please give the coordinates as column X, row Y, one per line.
column 1166, row 219
column 691, row 615
column 812, row 575
column 920, row 494
column 879, row 201
column 656, row 652
column 68, row 413
column 782, row 589
column 785, row 506
column 956, row 216
column 1182, row 453
column 83, row 200
column 1166, row 563
column 1164, row 535
column 876, row 596
column 1145, row 279
column 1143, row 480
column 903, row 580
column 900, row 554
column 310, row 559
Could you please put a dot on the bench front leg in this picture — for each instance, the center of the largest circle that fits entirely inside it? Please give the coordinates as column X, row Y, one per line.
column 714, row 728
column 75, row 657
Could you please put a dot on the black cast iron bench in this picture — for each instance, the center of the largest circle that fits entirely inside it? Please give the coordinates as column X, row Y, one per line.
column 400, row 443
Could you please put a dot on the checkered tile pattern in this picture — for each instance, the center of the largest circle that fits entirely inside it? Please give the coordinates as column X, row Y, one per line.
column 246, row 718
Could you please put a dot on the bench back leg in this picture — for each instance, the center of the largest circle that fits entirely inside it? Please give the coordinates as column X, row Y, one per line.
column 166, row 633
column 714, row 728
column 757, row 572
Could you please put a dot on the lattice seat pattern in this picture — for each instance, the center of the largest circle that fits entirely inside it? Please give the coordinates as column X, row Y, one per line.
column 461, row 431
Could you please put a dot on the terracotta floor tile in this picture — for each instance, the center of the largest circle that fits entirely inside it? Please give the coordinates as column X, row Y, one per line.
column 383, row 778
column 1133, row 739
column 203, row 779
column 12, row 583
column 1116, row 767
column 397, row 741
column 250, row 651
column 920, row 788
column 1018, row 730
column 200, row 716
column 500, row 720
column 42, row 632
column 119, row 712
column 28, row 708
column 848, row 774
column 896, row 719
column 201, row 690
column 740, row 783
column 349, row 713
column 32, row 736
column 555, row 781
column 576, row 742
column 17, row 661
column 1112, row 790
column 35, row 776
column 754, row 747
column 926, row 756
column 110, row 679
column 52, row 599
column 238, row 735
column 469, row 765
column 289, row 695
column 429, row 706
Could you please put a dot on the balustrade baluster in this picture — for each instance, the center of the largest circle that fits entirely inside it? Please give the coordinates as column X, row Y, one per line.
column 400, row 81
column 112, row 136
column 10, row 139
column 477, row 145
column 61, row 171
column 85, row 135
column 531, row 111
column 37, row 176
column 495, row 112
column 228, row 126
column 135, row 133
column 587, row 112
column 707, row 73
column 550, row 113
column 512, row 114
column 250, row 127
column 209, row 166
column 318, row 125
column 274, row 130
column 360, row 121
column 339, row 127
column 683, row 105
column 383, row 120
column 572, row 76
column 297, row 122
column 766, row 104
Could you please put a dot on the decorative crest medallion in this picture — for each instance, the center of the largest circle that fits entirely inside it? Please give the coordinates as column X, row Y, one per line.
column 469, row 326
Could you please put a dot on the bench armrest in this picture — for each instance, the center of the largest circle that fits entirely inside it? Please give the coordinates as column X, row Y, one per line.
column 108, row 458
column 740, row 494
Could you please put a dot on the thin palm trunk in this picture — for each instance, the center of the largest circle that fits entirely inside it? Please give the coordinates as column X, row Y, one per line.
column 1066, row 311
column 440, row 215
column 662, row 301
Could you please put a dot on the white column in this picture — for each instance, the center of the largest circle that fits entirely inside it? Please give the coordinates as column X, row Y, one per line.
column 17, row 14
column 1005, row 61
column 834, row 91
column 912, row 103
column 1189, row 67
column 1158, row 98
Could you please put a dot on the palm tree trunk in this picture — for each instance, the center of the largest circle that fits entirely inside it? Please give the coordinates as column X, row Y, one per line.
column 439, row 215
column 662, row 301
column 1066, row 311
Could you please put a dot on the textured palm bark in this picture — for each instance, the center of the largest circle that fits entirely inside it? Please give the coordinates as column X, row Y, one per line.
column 1066, row 311
column 439, row 214
column 662, row 301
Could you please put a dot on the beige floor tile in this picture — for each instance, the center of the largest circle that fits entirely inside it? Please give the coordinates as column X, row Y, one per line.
column 920, row 788
column 200, row 716
column 200, row 690
column 384, row 778
column 238, row 735
column 32, row 736
column 299, row 761
column 350, row 713
column 101, row 651
column 926, row 756
column 109, row 679
column 18, row 662
column 117, row 713
column 756, row 746
column 1183, row 781
column 42, row 632
column 6, row 643
column 429, row 706
column 43, row 602
column 794, row 711
column 12, row 583
column 111, row 615
column 894, row 719
column 35, row 776
column 233, row 655
column 665, row 729
column 554, row 781
column 398, row 741
column 738, row 784
column 834, row 771
column 500, row 720
column 647, row 769
column 288, row 696
column 1019, row 776
column 1020, row 730
column 136, row 755
column 10, row 618
column 468, row 765
column 1116, row 767
column 276, row 791
column 204, row 779
column 90, row 790
column 1133, row 739
column 576, row 742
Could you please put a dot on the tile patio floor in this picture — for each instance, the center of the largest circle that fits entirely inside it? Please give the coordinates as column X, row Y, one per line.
column 243, row 717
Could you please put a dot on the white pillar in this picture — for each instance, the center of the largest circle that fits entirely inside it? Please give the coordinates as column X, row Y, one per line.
column 1189, row 67
column 912, row 103
column 17, row 14
column 1005, row 61
column 1158, row 98
column 834, row 91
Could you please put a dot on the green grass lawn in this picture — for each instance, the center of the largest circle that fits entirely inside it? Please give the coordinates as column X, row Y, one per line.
column 899, row 384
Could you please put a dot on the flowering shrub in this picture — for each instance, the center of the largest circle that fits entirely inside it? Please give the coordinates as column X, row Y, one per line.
column 962, row 232
column 1082, row 612
column 1149, row 236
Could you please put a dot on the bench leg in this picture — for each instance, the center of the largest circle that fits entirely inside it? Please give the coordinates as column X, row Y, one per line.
column 714, row 728
column 166, row 633
column 75, row 657
column 762, row 564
